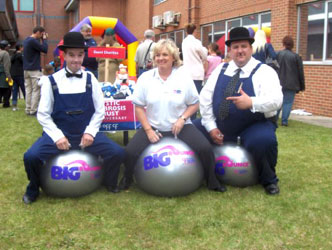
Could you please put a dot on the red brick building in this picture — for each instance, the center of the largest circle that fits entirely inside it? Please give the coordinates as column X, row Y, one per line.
column 308, row 22
column 8, row 26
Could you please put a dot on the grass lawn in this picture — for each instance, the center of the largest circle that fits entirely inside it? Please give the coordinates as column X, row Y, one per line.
column 299, row 218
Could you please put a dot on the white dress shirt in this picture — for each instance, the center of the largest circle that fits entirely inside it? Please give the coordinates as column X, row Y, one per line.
column 266, row 86
column 70, row 85
column 165, row 101
column 194, row 55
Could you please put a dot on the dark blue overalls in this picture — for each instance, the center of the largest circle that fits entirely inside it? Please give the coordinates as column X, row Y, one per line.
column 72, row 114
column 256, row 132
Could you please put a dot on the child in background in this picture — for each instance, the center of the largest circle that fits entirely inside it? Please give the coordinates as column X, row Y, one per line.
column 56, row 64
column 47, row 70
column 213, row 59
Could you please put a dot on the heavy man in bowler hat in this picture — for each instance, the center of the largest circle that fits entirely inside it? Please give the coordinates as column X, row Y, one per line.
column 241, row 98
column 71, row 110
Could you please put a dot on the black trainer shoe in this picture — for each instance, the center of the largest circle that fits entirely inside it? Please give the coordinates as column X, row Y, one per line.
column 272, row 189
column 27, row 199
column 125, row 183
column 113, row 189
column 221, row 188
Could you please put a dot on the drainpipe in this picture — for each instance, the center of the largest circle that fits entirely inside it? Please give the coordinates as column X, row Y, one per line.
column 38, row 13
column 189, row 11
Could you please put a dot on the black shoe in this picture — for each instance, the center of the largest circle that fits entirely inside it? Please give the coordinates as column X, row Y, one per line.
column 27, row 199
column 125, row 183
column 284, row 124
column 272, row 189
column 221, row 188
column 113, row 189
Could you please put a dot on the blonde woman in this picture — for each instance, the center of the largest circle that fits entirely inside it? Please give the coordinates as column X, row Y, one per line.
column 261, row 48
column 165, row 99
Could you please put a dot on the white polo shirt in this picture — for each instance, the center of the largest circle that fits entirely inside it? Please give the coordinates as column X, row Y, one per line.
column 165, row 101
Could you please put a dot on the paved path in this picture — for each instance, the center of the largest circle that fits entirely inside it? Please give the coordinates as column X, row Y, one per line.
column 313, row 119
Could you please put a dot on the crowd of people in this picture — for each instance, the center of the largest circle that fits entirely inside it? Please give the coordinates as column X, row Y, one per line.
column 238, row 96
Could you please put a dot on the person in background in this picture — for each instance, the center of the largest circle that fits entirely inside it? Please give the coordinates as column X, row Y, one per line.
column 165, row 98
column 143, row 53
column 241, row 98
column 89, row 63
column 194, row 57
column 5, row 77
column 56, row 64
column 17, row 74
column 291, row 76
column 47, row 71
column 33, row 46
column 213, row 59
column 113, row 63
column 261, row 48
column 71, row 111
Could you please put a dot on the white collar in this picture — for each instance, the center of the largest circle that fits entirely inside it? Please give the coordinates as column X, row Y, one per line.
column 78, row 72
column 251, row 64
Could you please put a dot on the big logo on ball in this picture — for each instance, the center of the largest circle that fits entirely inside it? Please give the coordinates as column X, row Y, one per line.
column 71, row 174
column 234, row 166
column 168, row 168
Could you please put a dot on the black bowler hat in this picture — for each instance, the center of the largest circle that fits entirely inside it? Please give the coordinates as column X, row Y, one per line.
column 73, row 40
column 239, row 34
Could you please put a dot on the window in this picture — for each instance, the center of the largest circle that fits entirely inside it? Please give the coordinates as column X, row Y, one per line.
column 179, row 35
column 250, row 21
column 216, row 32
column 155, row 2
column 315, row 31
column 266, row 20
column 207, row 34
column 23, row 5
column 176, row 36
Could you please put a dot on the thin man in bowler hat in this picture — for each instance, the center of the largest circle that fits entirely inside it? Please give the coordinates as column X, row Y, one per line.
column 71, row 110
column 248, row 110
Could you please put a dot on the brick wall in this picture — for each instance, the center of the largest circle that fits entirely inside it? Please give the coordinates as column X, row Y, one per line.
column 139, row 17
column 317, row 98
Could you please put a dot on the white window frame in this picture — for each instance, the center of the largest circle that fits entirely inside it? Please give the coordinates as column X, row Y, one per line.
column 156, row 2
column 324, row 61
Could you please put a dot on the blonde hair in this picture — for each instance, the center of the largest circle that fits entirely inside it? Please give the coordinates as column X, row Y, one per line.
column 260, row 41
column 171, row 48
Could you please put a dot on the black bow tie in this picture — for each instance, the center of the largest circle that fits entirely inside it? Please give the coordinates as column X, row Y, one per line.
column 68, row 74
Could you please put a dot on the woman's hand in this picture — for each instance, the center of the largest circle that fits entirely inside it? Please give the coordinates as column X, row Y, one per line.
column 154, row 136
column 177, row 126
